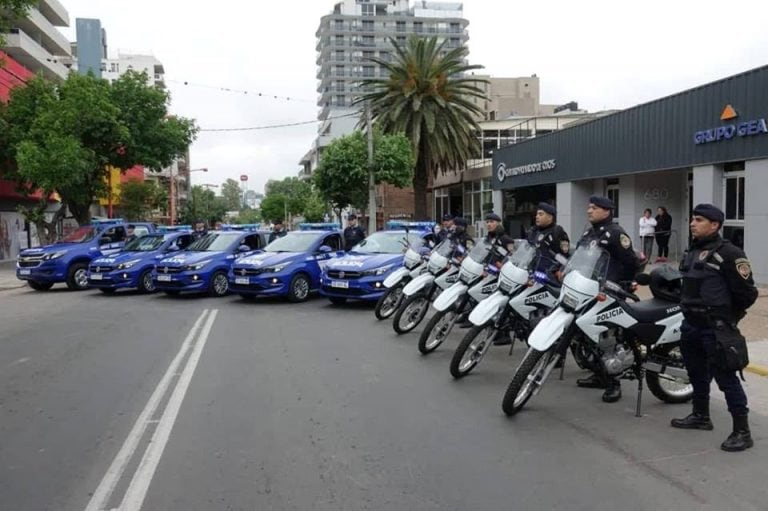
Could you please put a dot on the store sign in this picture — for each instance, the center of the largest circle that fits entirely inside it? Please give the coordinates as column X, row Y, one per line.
column 732, row 130
column 502, row 172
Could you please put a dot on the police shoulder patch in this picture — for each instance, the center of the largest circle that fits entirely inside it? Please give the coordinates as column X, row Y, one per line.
column 625, row 241
column 744, row 268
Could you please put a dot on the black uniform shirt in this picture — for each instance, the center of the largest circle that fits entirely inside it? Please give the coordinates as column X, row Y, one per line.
column 353, row 236
column 614, row 240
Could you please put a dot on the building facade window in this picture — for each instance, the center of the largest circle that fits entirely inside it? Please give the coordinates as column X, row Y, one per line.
column 612, row 192
column 478, row 202
column 733, row 200
column 418, row 27
column 368, row 25
column 400, row 26
column 369, row 40
column 369, row 71
column 369, row 10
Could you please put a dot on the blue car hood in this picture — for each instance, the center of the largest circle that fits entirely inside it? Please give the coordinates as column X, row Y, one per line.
column 122, row 257
column 362, row 262
column 268, row 259
column 55, row 247
column 183, row 258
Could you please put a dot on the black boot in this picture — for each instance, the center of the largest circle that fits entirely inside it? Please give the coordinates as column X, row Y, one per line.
column 741, row 438
column 612, row 391
column 593, row 382
column 699, row 419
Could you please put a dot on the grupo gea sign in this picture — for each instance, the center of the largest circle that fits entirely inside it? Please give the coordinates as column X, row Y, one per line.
column 503, row 172
column 734, row 129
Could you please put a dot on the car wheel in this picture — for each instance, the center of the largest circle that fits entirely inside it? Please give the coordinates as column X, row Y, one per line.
column 298, row 291
column 146, row 284
column 77, row 277
column 219, row 285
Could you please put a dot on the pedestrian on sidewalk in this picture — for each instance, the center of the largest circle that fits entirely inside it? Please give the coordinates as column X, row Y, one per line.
column 717, row 291
column 663, row 231
column 647, row 232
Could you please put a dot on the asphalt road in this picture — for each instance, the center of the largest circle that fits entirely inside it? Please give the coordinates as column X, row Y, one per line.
column 158, row 403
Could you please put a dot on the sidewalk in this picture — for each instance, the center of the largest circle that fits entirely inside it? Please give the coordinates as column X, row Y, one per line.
column 8, row 278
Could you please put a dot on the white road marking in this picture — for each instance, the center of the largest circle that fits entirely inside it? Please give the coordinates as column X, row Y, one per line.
column 134, row 496
column 115, row 471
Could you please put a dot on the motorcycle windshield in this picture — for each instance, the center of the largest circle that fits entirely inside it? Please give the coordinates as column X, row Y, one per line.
column 445, row 248
column 524, row 254
column 479, row 252
column 591, row 261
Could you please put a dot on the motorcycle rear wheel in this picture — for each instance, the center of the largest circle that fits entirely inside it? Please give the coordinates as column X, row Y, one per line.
column 660, row 387
column 528, row 378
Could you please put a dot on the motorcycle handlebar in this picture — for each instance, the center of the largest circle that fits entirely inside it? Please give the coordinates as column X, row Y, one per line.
column 617, row 289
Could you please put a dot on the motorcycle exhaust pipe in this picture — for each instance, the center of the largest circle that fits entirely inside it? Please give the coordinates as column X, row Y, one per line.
column 673, row 372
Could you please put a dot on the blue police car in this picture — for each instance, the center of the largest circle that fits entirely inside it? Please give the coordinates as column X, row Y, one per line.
column 67, row 260
column 289, row 266
column 132, row 267
column 204, row 264
column 360, row 274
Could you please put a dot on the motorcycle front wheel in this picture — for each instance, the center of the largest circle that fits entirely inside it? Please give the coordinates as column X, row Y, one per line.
column 528, row 379
column 410, row 313
column 472, row 349
column 436, row 331
column 388, row 302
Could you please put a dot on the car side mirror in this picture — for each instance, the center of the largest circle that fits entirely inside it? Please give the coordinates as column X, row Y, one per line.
column 243, row 248
column 173, row 248
column 325, row 249
column 105, row 240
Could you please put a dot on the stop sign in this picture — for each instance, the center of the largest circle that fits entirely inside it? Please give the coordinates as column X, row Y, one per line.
column 243, row 178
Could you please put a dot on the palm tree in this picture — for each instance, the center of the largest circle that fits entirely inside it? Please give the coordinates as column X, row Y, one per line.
column 427, row 97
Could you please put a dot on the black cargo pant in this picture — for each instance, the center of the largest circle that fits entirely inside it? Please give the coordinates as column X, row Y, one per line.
column 698, row 346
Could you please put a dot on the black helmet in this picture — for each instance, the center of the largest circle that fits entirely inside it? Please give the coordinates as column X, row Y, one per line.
column 666, row 284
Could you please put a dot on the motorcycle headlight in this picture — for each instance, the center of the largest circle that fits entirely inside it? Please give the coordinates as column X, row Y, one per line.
column 276, row 269
column 197, row 266
column 376, row 272
column 127, row 264
column 54, row 255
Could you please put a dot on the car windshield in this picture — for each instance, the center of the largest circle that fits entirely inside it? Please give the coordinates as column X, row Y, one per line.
column 80, row 235
column 523, row 255
column 214, row 242
column 293, row 242
column 387, row 243
column 146, row 243
column 590, row 260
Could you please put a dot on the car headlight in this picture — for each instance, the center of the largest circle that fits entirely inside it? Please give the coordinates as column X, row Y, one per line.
column 276, row 269
column 127, row 264
column 376, row 272
column 197, row 266
column 54, row 255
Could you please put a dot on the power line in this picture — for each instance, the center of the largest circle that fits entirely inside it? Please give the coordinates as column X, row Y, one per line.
column 241, row 91
column 273, row 126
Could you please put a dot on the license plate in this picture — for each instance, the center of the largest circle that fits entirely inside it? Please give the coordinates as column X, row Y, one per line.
column 25, row 272
column 97, row 276
column 242, row 280
column 163, row 278
column 342, row 284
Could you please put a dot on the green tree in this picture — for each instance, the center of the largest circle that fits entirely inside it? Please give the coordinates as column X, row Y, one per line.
column 427, row 96
column 342, row 176
column 137, row 199
column 203, row 205
column 273, row 207
column 62, row 137
column 11, row 10
column 232, row 195
column 248, row 216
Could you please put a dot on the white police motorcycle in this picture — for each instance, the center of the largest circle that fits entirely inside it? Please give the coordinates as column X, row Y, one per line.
column 618, row 338
column 414, row 264
column 442, row 272
column 477, row 280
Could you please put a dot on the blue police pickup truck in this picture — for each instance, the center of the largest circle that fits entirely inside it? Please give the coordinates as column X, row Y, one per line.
column 204, row 264
column 67, row 260
column 360, row 274
column 289, row 266
column 132, row 267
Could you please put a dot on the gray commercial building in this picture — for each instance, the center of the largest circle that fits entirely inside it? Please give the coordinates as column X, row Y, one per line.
column 707, row 144
column 91, row 46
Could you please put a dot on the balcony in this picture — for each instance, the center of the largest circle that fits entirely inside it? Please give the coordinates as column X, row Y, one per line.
column 34, row 57
column 40, row 29
column 55, row 12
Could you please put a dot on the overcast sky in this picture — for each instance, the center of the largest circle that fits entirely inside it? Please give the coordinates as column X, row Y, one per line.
column 603, row 54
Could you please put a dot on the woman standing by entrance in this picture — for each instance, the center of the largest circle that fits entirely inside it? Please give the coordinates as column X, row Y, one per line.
column 647, row 231
column 663, row 233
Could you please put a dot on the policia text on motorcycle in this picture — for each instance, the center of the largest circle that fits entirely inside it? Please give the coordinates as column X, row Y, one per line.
column 621, row 269
column 717, row 290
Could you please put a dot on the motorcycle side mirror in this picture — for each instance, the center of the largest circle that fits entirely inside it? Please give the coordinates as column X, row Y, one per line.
column 643, row 279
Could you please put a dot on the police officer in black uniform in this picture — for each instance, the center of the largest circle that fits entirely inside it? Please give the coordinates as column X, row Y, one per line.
column 130, row 233
column 199, row 230
column 622, row 268
column 278, row 230
column 549, row 238
column 717, row 290
column 446, row 229
column 496, row 232
column 459, row 233
column 353, row 234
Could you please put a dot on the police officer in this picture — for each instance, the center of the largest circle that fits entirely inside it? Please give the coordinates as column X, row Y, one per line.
column 549, row 238
column 622, row 268
column 459, row 233
column 496, row 232
column 199, row 230
column 717, row 290
column 353, row 234
column 130, row 233
column 446, row 229
column 278, row 230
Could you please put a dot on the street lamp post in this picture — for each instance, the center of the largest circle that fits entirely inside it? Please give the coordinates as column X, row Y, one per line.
column 172, row 198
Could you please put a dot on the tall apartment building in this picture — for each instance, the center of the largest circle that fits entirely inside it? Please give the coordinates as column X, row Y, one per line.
column 36, row 43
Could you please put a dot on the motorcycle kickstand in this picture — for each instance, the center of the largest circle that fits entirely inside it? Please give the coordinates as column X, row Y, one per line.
column 639, row 408
column 562, row 366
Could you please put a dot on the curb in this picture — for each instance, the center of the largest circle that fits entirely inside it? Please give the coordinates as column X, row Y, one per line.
column 758, row 369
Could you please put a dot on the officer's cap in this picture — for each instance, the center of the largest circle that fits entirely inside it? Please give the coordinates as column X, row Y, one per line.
column 460, row 221
column 277, row 221
column 710, row 212
column 493, row 216
column 447, row 217
column 547, row 208
column 351, row 216
column 131, row 226
column 602, row 202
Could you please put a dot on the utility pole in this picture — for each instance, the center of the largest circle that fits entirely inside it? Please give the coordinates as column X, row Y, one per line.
column 371, row 180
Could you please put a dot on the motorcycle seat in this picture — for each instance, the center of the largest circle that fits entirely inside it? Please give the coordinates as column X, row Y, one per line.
column 651, row 311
